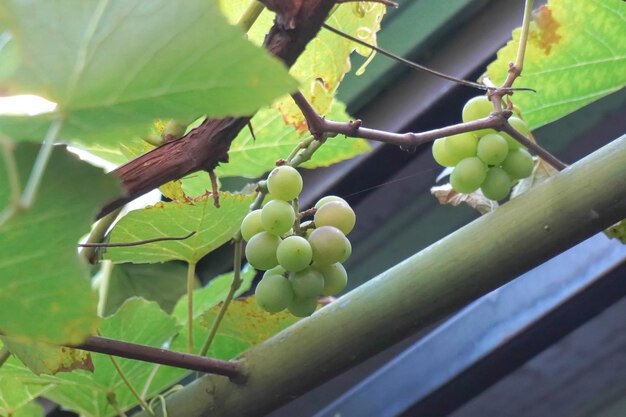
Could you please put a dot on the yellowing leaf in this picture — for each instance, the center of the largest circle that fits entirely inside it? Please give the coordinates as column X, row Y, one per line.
column 576, row 54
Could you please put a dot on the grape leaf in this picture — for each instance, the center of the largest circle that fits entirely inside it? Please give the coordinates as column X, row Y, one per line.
column 44, row 284
column 138, row 321
column 43, row 358
column 213, row 227
column 18, row 400
column 576, row 54
column 92, row 60
column 164, row 283
column 212, row 294
column 617, row 231
column 243, row 326
column 274, row 140
column 325, row 61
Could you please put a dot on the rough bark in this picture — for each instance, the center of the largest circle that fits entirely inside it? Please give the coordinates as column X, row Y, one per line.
column 297, row 22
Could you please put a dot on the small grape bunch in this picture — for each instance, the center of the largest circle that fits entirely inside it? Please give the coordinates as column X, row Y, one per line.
column 486, row 159
column 302, row 259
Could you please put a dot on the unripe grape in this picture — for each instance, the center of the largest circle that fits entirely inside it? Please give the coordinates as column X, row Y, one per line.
column 277, row 270
column 337, row 214
column 303, row 307
column 518, row 164
column 519, row 125
column 492, row 149
column 277, row 217
column 307, row 283
column 274, row 293
column 497, row 184
column 328, row 199
column 468, row 175
column 477, row 108
column 335, row 278
column 261, row 251
column 294, row 253
column 441, row 154
column 329, row 245
column 462, row 146
column 284, row 183
column 251, row 225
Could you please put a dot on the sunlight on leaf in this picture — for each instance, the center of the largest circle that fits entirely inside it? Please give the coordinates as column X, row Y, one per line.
column 576, row 54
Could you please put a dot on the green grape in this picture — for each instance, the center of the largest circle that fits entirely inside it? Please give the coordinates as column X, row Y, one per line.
column 518, row 164
column 462, row 146
column 441, row 154
column 277, row 217
column 497, row 185
column 329, row 245
column 519, row 125
column 468, row 175
column 303, row 307
column 274, row 293
column 277, row 270
column 284, row 183
column 307, row 283
column 251, row 225
column 261, row 251
column 328, row 199
column 335, row 278
column 337, row 214
column 477, row 108
column 492, row 149
column 294, row 253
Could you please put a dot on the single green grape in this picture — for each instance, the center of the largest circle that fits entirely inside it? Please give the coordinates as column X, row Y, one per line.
column 335, row 278
column 497, row 184
column 328, row 199
column 441, row 154
column 277, row 270
column 274, row 293
column 303, row 307
column 251, row 225
column 519, row 125
column 284, row 183
column 294, row 253
column 518, row 164
column 492, row 149
column 261, row 251
column 468, row 175
column 462, row 146
column 329, row 245
column 307, row 283
column 337, row 214
column 277, row 217
column 477, row 108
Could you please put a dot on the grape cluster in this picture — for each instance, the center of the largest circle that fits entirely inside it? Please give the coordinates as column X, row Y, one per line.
column 484, row 159
column 302, row 260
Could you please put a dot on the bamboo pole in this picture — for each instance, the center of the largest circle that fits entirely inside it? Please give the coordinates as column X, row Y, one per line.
column 577, row 203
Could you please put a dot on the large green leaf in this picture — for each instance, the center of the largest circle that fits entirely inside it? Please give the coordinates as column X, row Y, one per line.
column 244, row 325
column 137, row 321
column 44, row 284
column 18, row 400
column 576, row 54
column 213, row 227
column 275, row 140
column 163, row 283
column 114, row 66
column 212, row 294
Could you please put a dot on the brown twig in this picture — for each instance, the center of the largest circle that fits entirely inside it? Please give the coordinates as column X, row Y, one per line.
column 161, row 356
column 215, row 189
column 385, row 2
column 137, row 243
